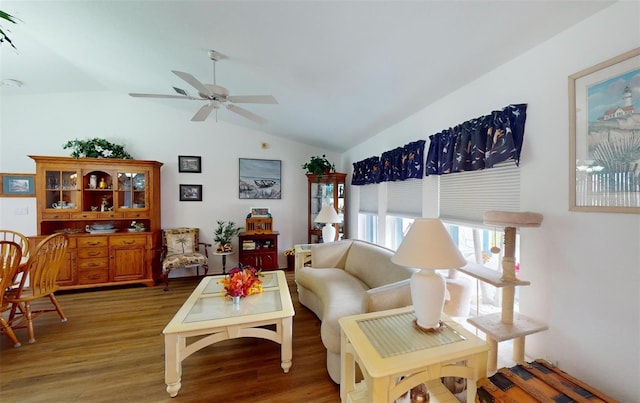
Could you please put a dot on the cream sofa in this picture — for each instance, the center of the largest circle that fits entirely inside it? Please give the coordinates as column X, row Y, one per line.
column 350, row 277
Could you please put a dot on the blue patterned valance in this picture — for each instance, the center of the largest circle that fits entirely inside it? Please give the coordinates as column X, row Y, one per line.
column 478, row 143
column 394, row 165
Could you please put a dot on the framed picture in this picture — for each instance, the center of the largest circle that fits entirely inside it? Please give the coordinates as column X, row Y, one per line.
column 18, row 185
column 190, row 192
column 604, row 142
column 259, row 179
column 189, row 163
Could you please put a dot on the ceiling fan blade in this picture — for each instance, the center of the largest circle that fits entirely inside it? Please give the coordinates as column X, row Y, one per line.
column 253, row 99
column 249, row 115
column 202, row 89
column 137, row 95
column 203, row 113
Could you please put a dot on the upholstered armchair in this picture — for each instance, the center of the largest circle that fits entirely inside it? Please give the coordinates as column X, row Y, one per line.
column 181, row 249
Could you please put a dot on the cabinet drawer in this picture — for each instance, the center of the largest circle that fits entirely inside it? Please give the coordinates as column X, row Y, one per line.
column 134, row 215
column 93, row 276
column 109, row 214
column 84, row 215
column 92, row 241
column 129, row 240
column 94, row 263
column 88, row 253
column 55, row 216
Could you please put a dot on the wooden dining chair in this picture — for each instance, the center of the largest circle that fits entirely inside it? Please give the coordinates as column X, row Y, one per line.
column 23, row 241
column 10, row 255
column 42, row 269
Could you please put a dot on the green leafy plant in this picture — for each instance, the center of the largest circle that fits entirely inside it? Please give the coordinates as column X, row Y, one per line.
column 225, row 232
column 3, row 36
column 318, row 165
column 96, row 148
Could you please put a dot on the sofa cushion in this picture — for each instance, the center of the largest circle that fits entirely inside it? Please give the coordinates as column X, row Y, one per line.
column 331, row 254
column 372, row 264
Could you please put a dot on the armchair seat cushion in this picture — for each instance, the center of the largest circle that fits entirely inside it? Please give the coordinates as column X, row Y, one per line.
column 183, row 260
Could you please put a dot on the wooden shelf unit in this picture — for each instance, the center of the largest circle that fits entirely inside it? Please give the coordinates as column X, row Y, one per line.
column 259, row 250
column 73, row 194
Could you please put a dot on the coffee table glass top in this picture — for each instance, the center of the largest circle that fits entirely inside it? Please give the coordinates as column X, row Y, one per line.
column 207, row 305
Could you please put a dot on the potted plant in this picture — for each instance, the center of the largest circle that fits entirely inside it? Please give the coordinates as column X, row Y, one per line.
column 319, row 166
column 96, row 148
column 224, row 233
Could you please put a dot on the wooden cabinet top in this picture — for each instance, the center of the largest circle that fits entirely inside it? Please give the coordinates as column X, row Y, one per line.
column 93, row 161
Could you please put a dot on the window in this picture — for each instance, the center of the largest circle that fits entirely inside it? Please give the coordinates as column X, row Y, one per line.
column 397, row 227
column 368, row 227
column 476, row 244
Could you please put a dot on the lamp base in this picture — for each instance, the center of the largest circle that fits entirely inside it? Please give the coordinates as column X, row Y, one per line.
column 430, row 329
column 328, row 233
column 427, row 294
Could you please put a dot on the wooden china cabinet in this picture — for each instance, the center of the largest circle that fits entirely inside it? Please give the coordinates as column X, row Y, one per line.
column 95, row 201
column 328, row 189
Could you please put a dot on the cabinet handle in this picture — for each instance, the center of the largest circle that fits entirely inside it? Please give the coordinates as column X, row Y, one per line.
column 94, row 277
column 93, row 265
column 93, row 243
column 93, row 253
column 128, row 242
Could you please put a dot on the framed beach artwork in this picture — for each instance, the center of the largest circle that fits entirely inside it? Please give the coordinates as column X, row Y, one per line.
column 17, row 185
column 259, row 179
column 604, row 143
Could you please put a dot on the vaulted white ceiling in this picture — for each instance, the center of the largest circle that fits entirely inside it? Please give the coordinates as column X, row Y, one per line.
column 340, row 70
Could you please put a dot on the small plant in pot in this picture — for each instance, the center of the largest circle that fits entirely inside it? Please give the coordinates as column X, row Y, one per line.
column 319, row 166
column 224, row 234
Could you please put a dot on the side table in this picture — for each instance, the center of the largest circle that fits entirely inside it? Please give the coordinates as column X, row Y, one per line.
column 224, row 259
column 303, row 254
column 395, row 356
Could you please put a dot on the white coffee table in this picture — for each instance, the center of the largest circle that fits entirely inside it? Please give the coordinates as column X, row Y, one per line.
column 208, row 312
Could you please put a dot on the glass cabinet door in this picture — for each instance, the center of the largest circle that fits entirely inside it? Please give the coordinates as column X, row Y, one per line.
column 132, row 190
column 321, row 195
column 61, row 189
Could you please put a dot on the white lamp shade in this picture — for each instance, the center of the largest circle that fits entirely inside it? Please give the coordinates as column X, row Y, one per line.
column 428, row 246
column 327, row 215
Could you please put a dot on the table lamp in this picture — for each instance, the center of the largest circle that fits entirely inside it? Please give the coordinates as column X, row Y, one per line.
column 428, row 246
column 328, row 217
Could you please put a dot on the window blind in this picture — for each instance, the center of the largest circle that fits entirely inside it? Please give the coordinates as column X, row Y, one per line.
column 368, row 198
column 465, row 196
column 404, row 198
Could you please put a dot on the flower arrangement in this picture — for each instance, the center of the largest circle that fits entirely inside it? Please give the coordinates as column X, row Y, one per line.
column 96, row 148
column 242, row 281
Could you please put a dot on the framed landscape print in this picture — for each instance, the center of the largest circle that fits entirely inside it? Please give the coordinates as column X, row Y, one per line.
column 189, row 163
column 259, row 179
column 604, row 143
column 18, row 185
column 190, row 192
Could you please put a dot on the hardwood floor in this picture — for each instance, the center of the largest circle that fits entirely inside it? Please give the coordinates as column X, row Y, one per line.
column 112, row 350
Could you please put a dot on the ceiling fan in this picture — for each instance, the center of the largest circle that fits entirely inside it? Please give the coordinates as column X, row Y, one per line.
column 215, row 95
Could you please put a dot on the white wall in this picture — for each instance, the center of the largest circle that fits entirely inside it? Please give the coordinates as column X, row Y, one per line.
column 40, row 125
column 584, row 267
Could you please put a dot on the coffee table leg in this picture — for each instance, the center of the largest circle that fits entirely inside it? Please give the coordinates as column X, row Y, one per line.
column 286, row 346
column 172, row 363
